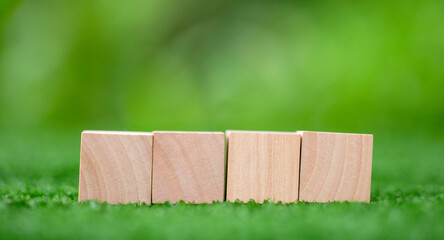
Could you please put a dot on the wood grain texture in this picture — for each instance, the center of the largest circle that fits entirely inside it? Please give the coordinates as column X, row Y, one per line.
column 263, row 165
column 188, row 166
column 115, row 167
column 335, row 167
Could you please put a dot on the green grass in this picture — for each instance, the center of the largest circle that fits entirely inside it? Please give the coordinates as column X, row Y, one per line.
column 39, row 187
column 53, row 212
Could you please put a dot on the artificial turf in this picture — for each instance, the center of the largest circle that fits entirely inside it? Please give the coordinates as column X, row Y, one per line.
column 39, row 187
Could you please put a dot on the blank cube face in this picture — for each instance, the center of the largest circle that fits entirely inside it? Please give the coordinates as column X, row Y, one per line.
column 335, row 167
column 188, row 166
column 263, row 165
column 115, row 167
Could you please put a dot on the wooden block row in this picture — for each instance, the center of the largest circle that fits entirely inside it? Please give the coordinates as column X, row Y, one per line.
column 117, row 167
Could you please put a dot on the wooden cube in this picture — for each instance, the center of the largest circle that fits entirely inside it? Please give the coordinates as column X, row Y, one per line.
column 263, row 166
column 188, row 166
column 335, row 167
column 115, row 167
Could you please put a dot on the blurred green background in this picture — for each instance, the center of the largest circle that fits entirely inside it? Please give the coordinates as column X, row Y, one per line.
column 346, row 66
column 215, row 65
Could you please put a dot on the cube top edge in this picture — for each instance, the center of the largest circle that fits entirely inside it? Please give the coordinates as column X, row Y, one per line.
column 335, row 133
column 186, row 132
column 252, row 133
column 128, row 133
column 258, row 132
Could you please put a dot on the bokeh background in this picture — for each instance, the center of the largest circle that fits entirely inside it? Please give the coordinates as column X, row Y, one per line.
column 346, row 66
column 212, row 65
